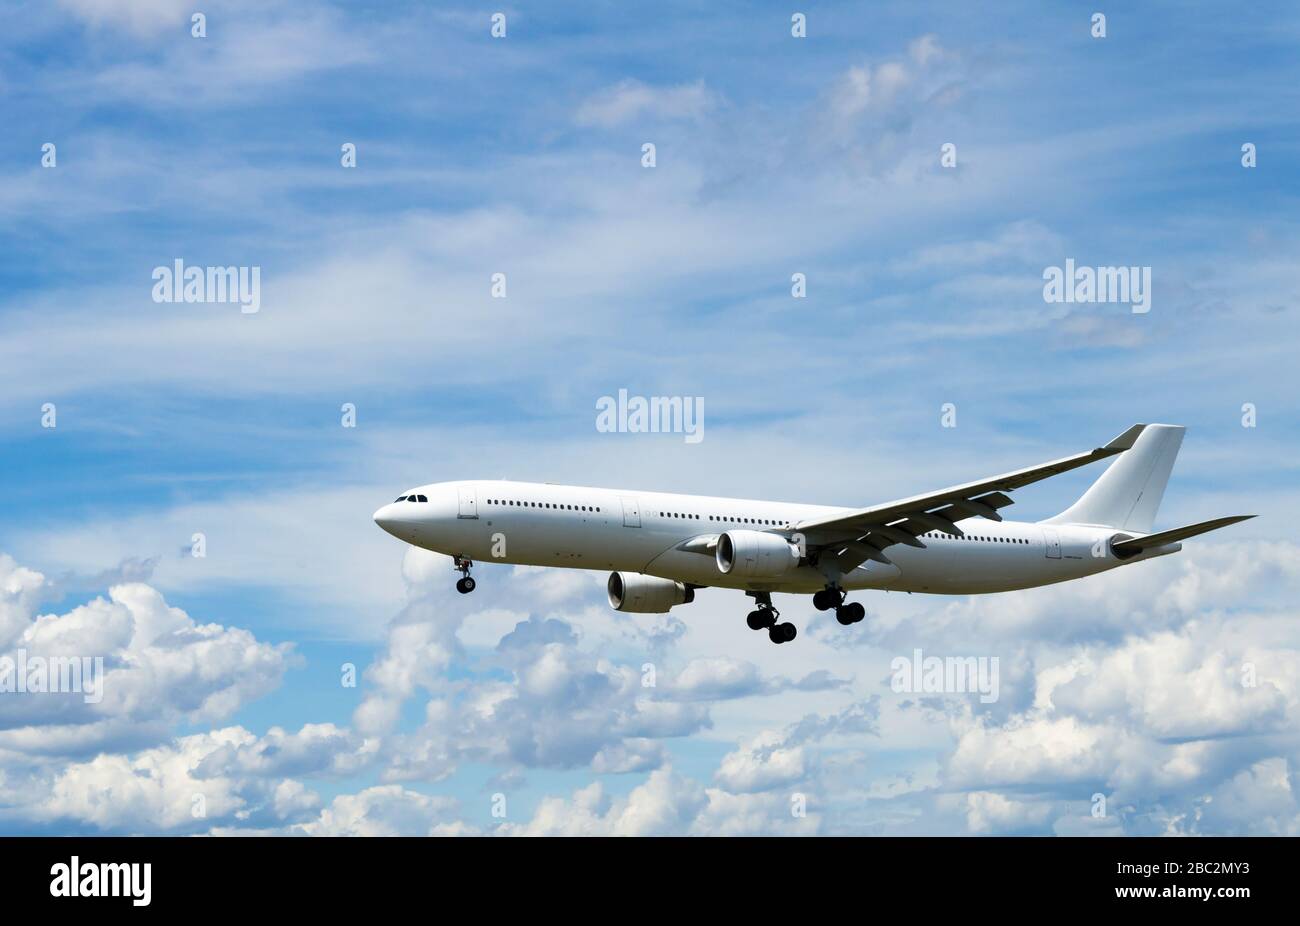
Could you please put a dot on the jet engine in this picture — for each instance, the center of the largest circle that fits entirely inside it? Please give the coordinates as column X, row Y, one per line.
column 642, row 594
column 755, row 554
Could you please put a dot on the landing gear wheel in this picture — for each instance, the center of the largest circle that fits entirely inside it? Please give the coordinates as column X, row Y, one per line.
column 466, row 584
column 782, row 633
column 763, row 615
column 850, row 613
column 827, row 598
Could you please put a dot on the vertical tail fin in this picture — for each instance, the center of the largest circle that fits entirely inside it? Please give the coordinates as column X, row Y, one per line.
column 1127, row 495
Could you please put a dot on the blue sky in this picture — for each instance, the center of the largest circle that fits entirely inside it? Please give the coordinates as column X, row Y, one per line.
column 522, row 156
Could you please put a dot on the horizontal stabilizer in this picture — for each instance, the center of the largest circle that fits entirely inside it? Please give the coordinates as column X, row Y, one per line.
column 1126, row 548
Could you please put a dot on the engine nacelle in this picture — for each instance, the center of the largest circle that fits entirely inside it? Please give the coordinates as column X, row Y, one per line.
column 755, row 554
column 641, row 594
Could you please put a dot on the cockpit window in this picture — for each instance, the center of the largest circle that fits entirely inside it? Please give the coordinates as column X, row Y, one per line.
column 422, row 498
column 400, row 498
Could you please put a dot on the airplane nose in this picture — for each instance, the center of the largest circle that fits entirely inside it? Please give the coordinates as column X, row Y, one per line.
column 386, row 518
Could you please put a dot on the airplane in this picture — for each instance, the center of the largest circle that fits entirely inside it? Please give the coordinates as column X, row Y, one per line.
column 661, row 546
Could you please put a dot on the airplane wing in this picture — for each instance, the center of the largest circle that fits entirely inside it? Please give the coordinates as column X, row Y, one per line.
column 1133, row 546
column 857, row 536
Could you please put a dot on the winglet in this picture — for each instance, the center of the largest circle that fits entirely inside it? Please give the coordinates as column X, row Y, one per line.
column 1127, row 439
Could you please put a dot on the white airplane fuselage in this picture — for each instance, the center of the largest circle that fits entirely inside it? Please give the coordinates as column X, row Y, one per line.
column 576, row 527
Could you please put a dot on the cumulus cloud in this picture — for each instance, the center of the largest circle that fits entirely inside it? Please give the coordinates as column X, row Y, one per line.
column 667, row 804
column 1173, row 686
column 1184, row 728
column 159, row 667
column 178, row 787
column 562, row 708
column 1163, row 725
column 779, row 759
column 20, row 588
column 988, row 812
column 388, row 810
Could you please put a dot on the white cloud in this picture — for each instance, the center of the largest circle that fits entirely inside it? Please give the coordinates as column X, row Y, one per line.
column 631, row 99
column 883, row 98
column 141, row 17
column 249, row 45
column 761, row 765
column 1180, row 686
column 168, row 789
column 666, row 804
column 387, row 810
column 20, row 589
column 160, row 667
column 988, row 812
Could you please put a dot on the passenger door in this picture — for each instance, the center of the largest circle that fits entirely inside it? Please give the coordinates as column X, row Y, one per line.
column 631, row 512
column 468, row 502
column 1053, row 542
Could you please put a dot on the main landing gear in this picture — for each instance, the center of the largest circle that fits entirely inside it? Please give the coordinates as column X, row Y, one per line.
column 832, row 597
column 766, row 616
column 466, row 583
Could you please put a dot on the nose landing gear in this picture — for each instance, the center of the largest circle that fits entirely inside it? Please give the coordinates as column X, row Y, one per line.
column 466, row 583
column 764, row 616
